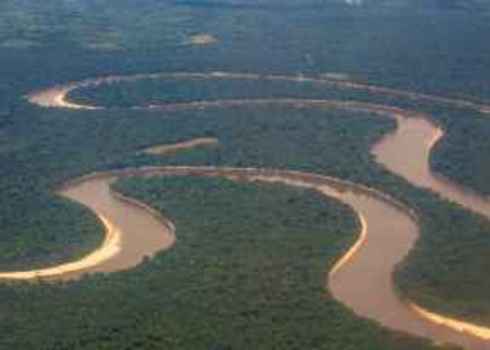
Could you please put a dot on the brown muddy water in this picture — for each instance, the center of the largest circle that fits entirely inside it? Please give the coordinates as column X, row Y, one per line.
column 406, row 152
column 364, row 281
column 133, row 232
column 363, row 278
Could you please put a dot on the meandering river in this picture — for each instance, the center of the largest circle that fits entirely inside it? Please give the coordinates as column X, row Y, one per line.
column 363, row 277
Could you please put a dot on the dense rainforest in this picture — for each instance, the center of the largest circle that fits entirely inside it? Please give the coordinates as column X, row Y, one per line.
column 45, row 43
column 248, row 271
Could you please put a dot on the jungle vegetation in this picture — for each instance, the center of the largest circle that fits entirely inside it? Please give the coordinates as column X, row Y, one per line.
column 248, row 271
column 45, row 43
